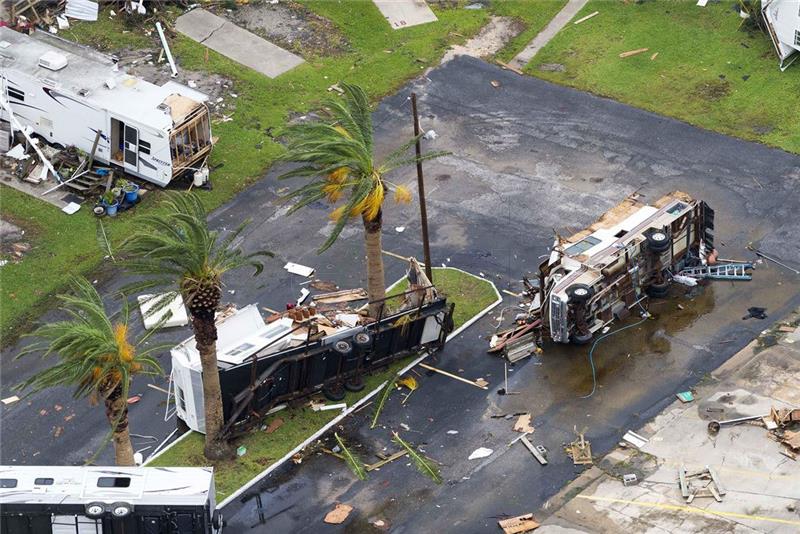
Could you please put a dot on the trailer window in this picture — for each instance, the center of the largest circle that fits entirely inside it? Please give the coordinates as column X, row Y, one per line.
column 181, row 398
column 43, row 482
column 113, row 482
column 677, row 208
column 16, row 94
column 244, row 347
column 144, row 147
column 582, row 246
column 8, row 482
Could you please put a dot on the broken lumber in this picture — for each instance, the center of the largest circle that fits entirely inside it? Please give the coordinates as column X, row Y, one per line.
column 509, row 67
column 345, row 295
column 633, row 52
column 338, row 514
column 533, row 450
column 391, row 458
column 587, row 17
column 451, row 375
column 519, row 524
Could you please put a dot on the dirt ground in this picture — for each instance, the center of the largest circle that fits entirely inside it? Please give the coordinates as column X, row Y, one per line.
column 489, row 40
column 290, row 26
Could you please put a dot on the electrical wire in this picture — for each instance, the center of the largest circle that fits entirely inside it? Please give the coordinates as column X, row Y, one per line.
column 599, row 339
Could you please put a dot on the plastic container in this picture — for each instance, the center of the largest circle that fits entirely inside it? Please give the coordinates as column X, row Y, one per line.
column 131, row 192
column 111, row 209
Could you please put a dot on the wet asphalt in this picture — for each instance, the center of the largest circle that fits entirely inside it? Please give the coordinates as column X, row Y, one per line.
column 527, row 158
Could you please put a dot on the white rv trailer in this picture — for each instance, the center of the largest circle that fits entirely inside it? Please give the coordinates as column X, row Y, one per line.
column 782, row 18
column 67, row 94
column 107, row 500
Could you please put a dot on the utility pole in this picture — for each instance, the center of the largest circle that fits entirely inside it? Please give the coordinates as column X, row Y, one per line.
column 421, row 187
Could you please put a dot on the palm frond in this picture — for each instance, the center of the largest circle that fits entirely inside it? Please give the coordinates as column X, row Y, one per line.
column 383, row 396
column 425, row 466
column 353, row 462
column 102, row 240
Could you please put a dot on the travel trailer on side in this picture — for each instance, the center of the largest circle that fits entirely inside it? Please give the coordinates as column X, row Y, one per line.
column 68, row 94
column 107, row 500
column 782, row 19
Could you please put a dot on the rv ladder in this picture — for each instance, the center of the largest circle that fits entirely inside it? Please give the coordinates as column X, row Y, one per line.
column 727, row 271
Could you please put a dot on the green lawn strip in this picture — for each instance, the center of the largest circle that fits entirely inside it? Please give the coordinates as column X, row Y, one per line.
column 707, row 72
column 534, row 15
column 470, row 295
column 380, row 59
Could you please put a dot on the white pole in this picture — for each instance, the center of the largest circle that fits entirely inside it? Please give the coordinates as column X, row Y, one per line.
column 166, row 49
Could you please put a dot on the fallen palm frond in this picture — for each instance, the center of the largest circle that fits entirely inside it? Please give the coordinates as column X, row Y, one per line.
column 382, row 397
column 355, row 465
column 102, row 240
column 425, row 466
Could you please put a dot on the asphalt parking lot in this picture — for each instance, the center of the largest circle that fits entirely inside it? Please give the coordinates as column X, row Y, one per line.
column 527, row 158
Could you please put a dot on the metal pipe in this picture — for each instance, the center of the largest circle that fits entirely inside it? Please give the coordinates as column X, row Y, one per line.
column 166, row 49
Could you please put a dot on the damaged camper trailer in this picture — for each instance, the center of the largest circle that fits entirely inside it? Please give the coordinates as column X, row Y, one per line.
column 603, row 273
column 67, row 94
column 782, row 19
column 324, row 346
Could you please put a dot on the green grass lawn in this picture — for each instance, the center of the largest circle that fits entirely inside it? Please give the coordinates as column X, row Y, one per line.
column 470, row 295
column 707, row 73
column 379, row 58
column 534, row 15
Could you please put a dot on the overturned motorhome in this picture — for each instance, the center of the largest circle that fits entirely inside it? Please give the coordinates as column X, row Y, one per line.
column 603, row 273
column 91, row 499
column 70, row 95
column 325, row 346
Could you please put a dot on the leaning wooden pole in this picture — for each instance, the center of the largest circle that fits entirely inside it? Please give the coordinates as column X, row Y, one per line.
column 421, row 187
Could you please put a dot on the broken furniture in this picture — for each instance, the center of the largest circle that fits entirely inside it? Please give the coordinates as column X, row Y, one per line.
column 580, row 450
column 702, row 483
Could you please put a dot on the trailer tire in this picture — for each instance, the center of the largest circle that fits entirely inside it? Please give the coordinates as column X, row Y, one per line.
column 354, row 384
column 334, row 392
column 362, row 340
column 95, row 510
column 343, row 347
column 580, row 339
column 658, row 240
column 121, row 509
column 579, row 293
column 216, row 520
column 658, row 291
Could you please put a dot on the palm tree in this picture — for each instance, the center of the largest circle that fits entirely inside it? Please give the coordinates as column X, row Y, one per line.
column 174, row 249
column 336, row 152
column 95, row 357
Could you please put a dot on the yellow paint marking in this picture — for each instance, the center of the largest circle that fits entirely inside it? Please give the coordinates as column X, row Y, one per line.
column 691, row 509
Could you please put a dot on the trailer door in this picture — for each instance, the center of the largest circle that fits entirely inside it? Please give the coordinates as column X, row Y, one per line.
column 131, row 148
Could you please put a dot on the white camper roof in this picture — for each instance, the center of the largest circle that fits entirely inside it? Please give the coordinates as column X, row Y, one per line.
column 90, row 76
column 239, row 336
column 783, row 19
column 190, row 486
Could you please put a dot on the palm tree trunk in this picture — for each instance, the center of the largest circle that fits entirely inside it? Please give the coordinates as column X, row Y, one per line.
column 205, row 334
column 376, row 284
column 117, row 415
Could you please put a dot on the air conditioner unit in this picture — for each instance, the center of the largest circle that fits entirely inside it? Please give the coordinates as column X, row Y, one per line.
column 53, row 60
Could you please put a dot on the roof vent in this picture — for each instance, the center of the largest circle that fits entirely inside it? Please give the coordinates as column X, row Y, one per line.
column 53, row 60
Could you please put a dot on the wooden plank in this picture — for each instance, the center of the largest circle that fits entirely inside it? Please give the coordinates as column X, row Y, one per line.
column 509, row 67
column 682, row 477
column 94, row 149
column 587, row 17
column 451, row 375
column 386, row 460
column 633, row 52
column 536, row 454
column 519, row 524
column 715, row 478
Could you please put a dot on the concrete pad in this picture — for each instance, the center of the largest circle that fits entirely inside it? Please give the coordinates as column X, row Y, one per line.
column 405, row 13
column 236, row 43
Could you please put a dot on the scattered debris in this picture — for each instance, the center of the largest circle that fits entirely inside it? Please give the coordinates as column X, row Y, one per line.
column 580, row 450
column 81, row 10
column 134, row 399
column 345, row 295
column 58, row 430
column 338, row 514
column 773, row 260
column 587, row 17
column 511, row 68
column 756, row 313
column 685, row 396
column 537, row 452
column 167, row 51
column 399, row 229
column 495, row 84
column 455, row 377
column 10, row 400
column 519, row 524
column 274, row 425
column 480, row 452
column 703, row 483
column 523, row 424
column 390, row 458
column 654, row 56
column 304, row 293
column 635, row 439
column 353, row 462
column 241, row 450
column 296, row 268
column 382, row 397
column 633, row 52
column 318, row 407
column 715, row 426
column 425, row 466
column 629, row 480
column 452, row 432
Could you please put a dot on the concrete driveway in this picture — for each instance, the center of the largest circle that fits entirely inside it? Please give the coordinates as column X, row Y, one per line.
column 527, row 157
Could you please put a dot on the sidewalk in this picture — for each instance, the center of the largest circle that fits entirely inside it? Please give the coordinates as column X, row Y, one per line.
column 544, row 36
column 761, row 483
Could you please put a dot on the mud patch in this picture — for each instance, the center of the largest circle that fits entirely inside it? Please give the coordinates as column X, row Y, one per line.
column 12, row 242
column 489, row 40
column 291, row 26
column 552, row 67
column 712, row 90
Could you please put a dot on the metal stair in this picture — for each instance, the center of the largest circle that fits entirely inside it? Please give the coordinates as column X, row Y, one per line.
column 725, row 271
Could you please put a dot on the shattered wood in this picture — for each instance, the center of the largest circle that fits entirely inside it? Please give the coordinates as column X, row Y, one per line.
column 519, row 524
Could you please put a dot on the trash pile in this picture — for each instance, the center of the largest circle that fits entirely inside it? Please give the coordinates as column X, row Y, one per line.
column 778, row 422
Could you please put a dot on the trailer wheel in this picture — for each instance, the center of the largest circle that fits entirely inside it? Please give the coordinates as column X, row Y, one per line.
column 216, row 520
column 333, row 392
column 95, row 510
column 362, row 340
column 579, row 293
column 120, row 509
column 580, row 339
column 658, row 240
column 354, row 384
column 343, row 347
